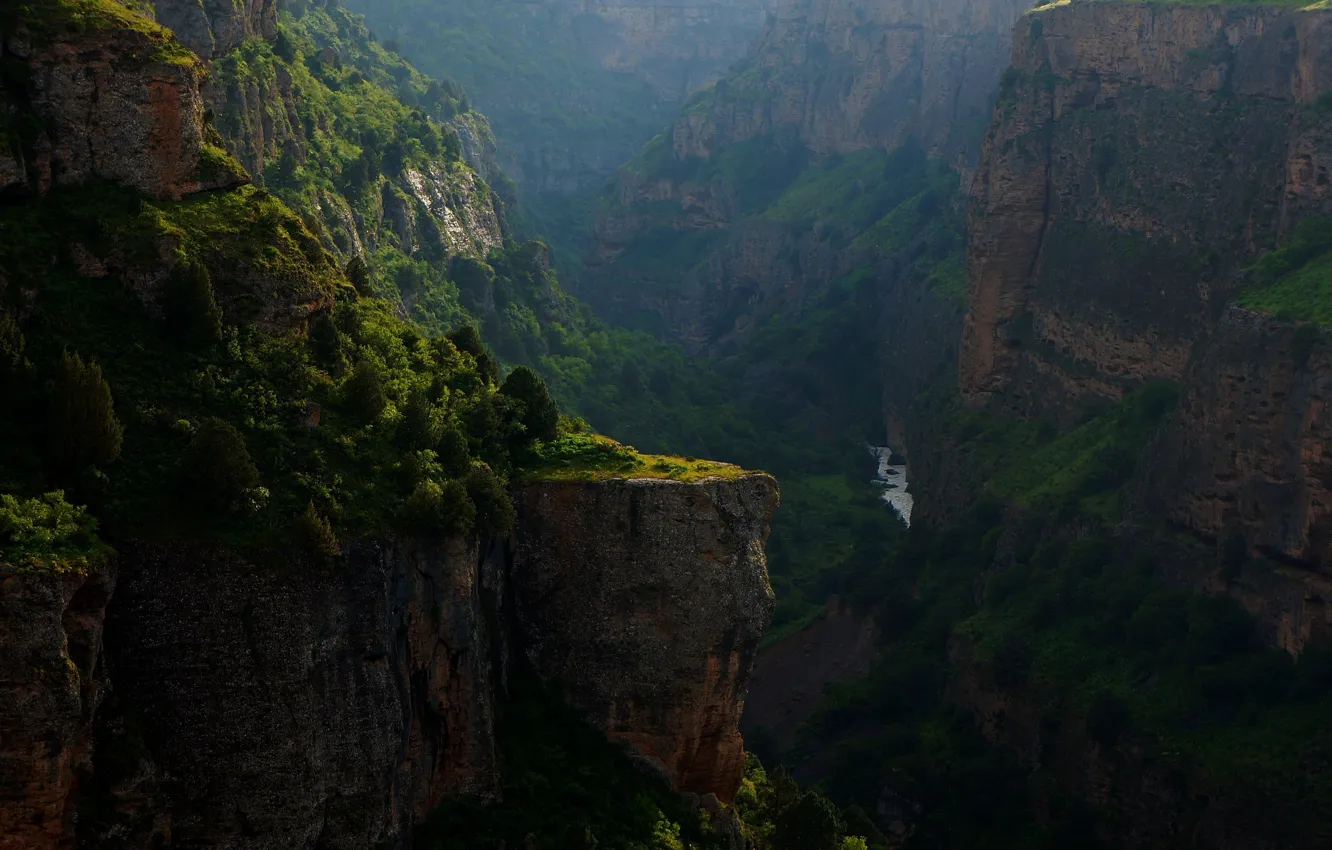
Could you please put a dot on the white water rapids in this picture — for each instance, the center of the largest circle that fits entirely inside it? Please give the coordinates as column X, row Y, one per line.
column 892, row 477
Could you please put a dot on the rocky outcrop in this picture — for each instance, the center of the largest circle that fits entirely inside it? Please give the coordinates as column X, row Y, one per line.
column 120, row 102
column 645, row 600
column 50, row 687
column 435, row 210
column 293, row 704
column 1244, row 466
column 1108, row 225
column 848, row 75
column 212, row 28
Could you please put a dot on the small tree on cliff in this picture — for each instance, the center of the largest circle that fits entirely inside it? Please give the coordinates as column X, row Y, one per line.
column 84, row 430
column 540, row 415
column 216, row 473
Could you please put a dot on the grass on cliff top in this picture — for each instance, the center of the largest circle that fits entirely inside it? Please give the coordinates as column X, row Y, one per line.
column 49, row 17
column 1295, row 282
column 592, row 457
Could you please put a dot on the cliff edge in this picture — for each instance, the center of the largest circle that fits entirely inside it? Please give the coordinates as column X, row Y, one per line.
column 646, row 599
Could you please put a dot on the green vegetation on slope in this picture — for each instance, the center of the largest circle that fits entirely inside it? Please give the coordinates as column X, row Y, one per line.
column 1295, row 282
column 561, row 116
column 1043, row 599
column 566, row 786
column 235, row 432
column 48, row 17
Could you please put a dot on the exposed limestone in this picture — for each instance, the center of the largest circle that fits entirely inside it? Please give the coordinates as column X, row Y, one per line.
column 1107, row 227
column 646, row 600
column 114, row 104
column 50, row 687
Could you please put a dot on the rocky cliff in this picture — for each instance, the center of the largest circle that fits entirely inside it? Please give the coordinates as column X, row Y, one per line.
column 283, row 702
column 1244, row 467
column 723, row 221
column 268, row 106
column 646, row 600
column 117, row 99
column 676, row 47
column 51, row 682
column 584, row 83
column 1087, row 275
column 212, row 28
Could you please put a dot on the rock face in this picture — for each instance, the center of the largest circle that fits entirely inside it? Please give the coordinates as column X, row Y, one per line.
column 435, row 211
column 1107, row 228
column 122, row 104
column 790, row 678
column 850, row 74
column 50, row 687
column 1245, row 463
column 282, row 703
column 303, row 705
column 211, row 28
column 646, row 599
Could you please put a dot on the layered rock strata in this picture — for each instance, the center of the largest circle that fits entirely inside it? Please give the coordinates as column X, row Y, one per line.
column 646, row 600
column 1140, row 156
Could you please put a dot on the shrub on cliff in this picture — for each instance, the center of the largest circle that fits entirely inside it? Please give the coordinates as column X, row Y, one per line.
column 47, row 532
column 494, row 508
column 189, row 305
column 217, row 473
column 84, row 430
column 440, row 509
column 467, row 339
column 540, row 416
column 315, row 535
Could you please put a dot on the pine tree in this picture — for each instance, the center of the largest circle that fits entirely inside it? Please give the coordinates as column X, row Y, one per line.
column 84, row 430
column 363, row 393
column 359, row 274
column 190, row 307
column 315, row 534
column 541, row 416
column 217, row 472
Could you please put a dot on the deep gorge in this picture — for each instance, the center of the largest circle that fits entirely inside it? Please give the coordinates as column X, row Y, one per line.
column 310, row 536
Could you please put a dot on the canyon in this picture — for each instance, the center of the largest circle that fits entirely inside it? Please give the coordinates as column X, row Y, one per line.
column 1067, row 261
